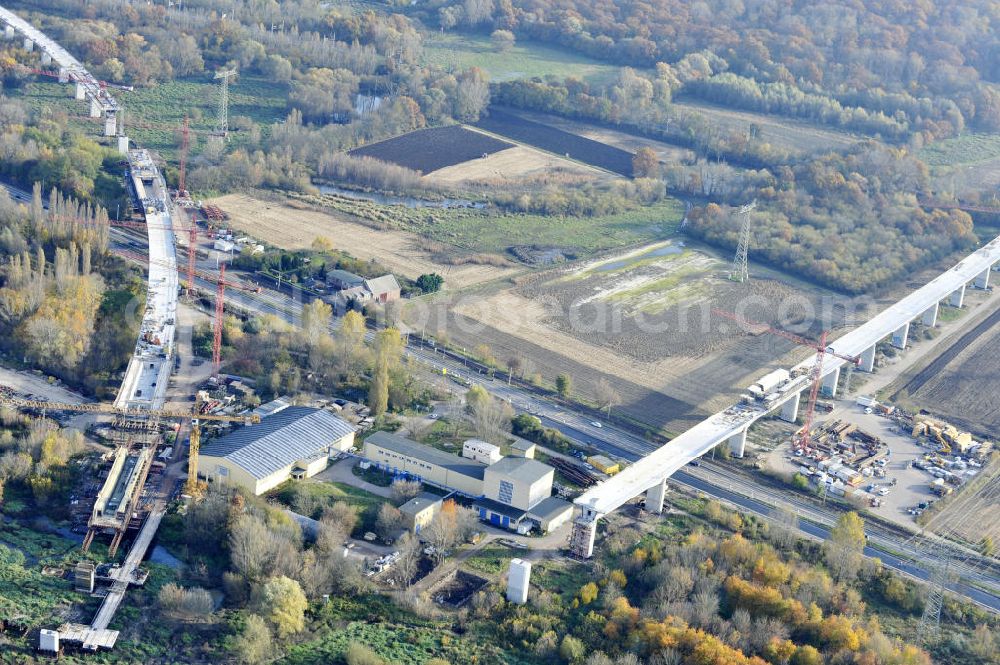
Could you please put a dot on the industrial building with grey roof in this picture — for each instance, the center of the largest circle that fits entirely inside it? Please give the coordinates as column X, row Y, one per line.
column 295, row 442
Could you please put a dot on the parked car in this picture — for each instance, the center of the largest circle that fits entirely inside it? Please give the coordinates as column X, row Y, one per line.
column 596, row 424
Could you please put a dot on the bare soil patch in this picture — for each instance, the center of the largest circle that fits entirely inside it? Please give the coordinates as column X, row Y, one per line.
column 292, row 225
column 641, row 320
column 512, row 164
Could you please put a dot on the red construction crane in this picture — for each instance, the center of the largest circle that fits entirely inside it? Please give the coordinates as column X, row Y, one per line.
column 816, row 374
column 185, row 141
column 220, row 300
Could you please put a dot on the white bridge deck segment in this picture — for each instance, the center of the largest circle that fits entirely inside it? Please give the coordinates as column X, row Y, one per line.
column 632, row 481
column 74, row 70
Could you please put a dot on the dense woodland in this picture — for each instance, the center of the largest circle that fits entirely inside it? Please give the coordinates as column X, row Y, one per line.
column 928, row 66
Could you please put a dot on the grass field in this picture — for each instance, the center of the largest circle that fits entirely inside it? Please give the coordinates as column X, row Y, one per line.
column 491, row 231
column 153, row 116
column 525, row 60
column 966, row 149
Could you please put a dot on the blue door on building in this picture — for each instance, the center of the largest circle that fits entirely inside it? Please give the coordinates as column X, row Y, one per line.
column 506, row 522
column 495, row 519
column 482, row 514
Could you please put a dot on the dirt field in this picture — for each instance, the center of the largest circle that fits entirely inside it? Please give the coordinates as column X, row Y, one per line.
column 670, row 154
column 962, row 385
column 641, row 319
column 514, row 163
column 294, row 226
column 794, row 135
column 427, row 150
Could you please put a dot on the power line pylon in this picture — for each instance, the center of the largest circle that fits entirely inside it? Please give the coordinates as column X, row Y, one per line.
column 930, row 620
column 741, row 272
column 222, row 121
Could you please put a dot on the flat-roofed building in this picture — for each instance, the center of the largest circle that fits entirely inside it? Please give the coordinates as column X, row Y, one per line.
column 420, row 511
column 518, row 482
column 398, row 455
column 295, row 442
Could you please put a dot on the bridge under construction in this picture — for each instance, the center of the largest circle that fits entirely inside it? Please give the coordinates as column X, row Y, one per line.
column 649, row 475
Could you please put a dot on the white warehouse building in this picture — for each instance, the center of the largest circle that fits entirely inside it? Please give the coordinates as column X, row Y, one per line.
column 296, row 442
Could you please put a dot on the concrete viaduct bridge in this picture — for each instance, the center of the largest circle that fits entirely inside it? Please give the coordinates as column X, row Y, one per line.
column 649, row 475
column 70, row 69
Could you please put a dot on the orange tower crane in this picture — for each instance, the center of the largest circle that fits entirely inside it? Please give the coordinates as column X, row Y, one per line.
column 804, row 437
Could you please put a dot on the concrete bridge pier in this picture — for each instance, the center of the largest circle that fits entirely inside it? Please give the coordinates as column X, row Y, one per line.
column 123, row 144
column 957, row 297
column 829, row 385
column 95, row 108
column 738, row 443
column 63, row 75
column 581, row 541
column 81, row 92
column 8, row 32
column 868, row 360
column 46, row 58
column 900, row 336
column 655, row 496
column 29, row 45
column 110, row 123
column 790, row 409
column 982, row 280
column 929, row 318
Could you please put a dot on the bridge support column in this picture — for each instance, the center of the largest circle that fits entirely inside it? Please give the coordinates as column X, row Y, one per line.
column 900, row 337
column 46, row 58
column 581, row 541
column 790, row 409
column 110, row 124
column 8, row 32
column 868, row 360
column 123, row 144
column 81, row 92
column 738, row 443
column 929, row 318
column 655, row 496
column 29, row 45
column 95, row 108
column 829, row 386
column 982, row 280
column 63, row 75
column 957, row 298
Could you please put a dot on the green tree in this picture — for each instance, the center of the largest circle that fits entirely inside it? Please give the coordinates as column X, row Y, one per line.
column 252, row 645
column 388, row 347
column 430, row 282
column 283, row 603
column 316, row 317
column 844, row 549
column 986, row 546
column 807, row 655
column 645, row 163
column 571, row 649
column 359, row 654
column 564, row 385
column 503, row 40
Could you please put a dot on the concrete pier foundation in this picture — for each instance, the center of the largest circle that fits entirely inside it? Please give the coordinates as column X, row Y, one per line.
column 95, row 109
column 8, row 32
column 901, row 335
column 581, row 541
column 790, row 409
column 655, row 496
column 829, row 385
column 110, row 124
column 738, row 443
column 982, row 280
column 63, row 75
column 123, row 144
column 929, row 318
column 81, row 92
column 46, row 59
column 957, row 298
column 868, row 360
column 29, row 45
